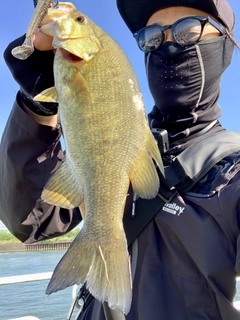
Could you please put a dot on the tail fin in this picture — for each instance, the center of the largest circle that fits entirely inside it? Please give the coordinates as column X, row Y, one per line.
column 105, row 269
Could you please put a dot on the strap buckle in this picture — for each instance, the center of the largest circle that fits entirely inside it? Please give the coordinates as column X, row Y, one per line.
column 161, row 135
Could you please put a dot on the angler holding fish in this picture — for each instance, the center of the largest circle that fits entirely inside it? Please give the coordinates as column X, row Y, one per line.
column 182, row 243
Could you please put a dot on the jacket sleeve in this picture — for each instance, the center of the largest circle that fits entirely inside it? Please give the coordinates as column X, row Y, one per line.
column 29, row 153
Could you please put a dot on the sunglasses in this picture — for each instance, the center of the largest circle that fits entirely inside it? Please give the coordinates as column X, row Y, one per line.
column 186, row 31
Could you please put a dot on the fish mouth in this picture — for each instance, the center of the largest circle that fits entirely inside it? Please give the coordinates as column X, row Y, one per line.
column 66, row 55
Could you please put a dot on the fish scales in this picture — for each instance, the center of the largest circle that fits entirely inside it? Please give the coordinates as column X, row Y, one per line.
column 108, row 145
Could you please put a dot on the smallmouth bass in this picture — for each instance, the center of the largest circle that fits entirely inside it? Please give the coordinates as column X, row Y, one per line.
column 108, row 146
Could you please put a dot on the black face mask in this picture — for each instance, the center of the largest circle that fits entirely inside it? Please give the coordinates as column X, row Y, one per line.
column 185, row 84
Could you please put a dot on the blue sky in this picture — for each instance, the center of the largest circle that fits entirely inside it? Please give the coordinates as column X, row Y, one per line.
column 14, row 22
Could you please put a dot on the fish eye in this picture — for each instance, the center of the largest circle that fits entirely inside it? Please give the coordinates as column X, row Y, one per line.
column 80, row 19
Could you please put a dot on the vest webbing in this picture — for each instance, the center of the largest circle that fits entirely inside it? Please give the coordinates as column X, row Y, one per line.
column 185, row 171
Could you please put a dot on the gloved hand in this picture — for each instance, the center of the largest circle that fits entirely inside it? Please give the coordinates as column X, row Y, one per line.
column 33, row 75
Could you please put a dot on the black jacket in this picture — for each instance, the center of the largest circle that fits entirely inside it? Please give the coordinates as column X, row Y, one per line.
column 188, row 255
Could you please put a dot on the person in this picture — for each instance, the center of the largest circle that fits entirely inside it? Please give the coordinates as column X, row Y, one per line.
column 188, row 255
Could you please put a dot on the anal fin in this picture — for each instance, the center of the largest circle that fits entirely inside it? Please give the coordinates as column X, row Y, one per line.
column 144, row 179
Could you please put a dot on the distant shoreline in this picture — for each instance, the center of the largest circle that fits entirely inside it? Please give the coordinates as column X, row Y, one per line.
column 9, row 243
column 13, row 247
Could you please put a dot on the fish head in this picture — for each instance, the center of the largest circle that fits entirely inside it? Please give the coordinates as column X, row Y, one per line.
column 71, row 31
column 58, row 11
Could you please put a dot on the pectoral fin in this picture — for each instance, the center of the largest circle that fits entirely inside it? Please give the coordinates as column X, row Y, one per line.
column 61, row 190
column 48, row 95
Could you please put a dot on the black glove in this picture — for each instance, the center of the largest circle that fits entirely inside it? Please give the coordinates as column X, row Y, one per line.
column 33, row 75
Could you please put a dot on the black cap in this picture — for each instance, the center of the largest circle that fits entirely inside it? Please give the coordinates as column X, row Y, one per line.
column 135, row 13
